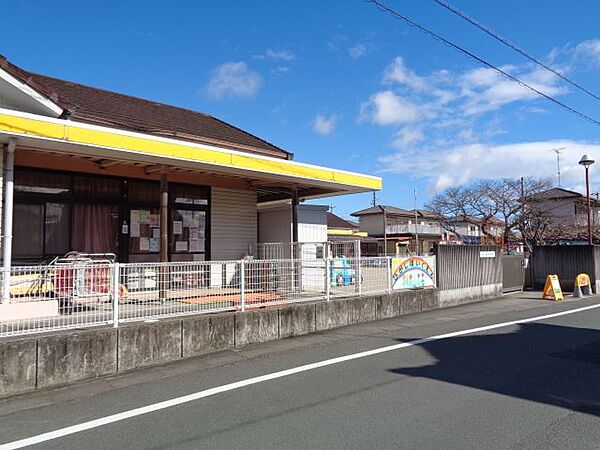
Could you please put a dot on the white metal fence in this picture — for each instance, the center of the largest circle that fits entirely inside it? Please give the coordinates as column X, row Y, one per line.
column 56, row 297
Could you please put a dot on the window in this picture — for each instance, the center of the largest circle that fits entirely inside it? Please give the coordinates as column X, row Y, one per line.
column 144, row 231
column 28, row 231
column 188, row 231
column 98, row 188
column 189, row 195
column 58, row 228
column 41, row 182
column 41, row 229
column 143, row 192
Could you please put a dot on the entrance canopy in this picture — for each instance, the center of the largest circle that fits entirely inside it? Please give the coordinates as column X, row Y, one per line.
column 272, row 177
column 110, row 129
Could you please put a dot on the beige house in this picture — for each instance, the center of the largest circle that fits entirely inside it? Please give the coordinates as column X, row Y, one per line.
column 400, row 231
column 566, row 208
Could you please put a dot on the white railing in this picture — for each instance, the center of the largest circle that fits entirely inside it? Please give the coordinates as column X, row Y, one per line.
column 57, row 297
column 413, row 228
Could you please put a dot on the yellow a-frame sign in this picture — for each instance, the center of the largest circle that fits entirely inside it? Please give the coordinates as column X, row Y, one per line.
column 552, row 288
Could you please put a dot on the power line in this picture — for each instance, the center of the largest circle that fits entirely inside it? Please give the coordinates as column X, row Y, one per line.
column 457, row 47
column 510, row 44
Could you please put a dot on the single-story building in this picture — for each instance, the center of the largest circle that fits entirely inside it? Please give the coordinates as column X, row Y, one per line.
column 90, row 170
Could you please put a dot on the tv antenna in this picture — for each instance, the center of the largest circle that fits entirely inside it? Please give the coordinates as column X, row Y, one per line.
column 558, row 152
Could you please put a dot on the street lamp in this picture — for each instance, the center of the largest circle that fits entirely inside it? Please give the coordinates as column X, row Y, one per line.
column 586, row 162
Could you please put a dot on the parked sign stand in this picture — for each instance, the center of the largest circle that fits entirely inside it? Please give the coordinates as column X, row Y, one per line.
column 552, row 289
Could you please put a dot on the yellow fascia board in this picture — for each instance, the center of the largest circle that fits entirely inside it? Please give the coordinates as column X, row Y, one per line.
column 340, row 232
column 31, row 125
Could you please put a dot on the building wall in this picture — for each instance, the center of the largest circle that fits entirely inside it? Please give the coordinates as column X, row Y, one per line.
column 233, row 223
column 372, row 224
column 275, row 225
column 312, row 223
column 562, row 211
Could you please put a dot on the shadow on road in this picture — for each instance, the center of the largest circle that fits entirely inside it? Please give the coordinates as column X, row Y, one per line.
column 550, row 364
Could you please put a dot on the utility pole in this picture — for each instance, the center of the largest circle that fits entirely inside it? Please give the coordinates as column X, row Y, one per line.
column 558, row 152
column 416, row 222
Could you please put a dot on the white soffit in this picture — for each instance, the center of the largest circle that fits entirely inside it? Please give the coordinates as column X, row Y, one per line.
column 17, row 95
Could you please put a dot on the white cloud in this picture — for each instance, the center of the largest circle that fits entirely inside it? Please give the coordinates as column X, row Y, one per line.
column 324, row 125
column 397, row 72
column 406, row 137
column 453, row 107
column 281, row 69
column 487, row 90
column 386, row 108
column 589, row 49
column 233, row 79
column 357, row 51
column 464, row 163
column 282, row 55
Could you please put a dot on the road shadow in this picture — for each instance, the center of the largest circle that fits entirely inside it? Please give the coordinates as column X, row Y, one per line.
column 550, row 364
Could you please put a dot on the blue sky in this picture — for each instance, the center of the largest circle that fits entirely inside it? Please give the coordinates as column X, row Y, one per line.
column 340, row 83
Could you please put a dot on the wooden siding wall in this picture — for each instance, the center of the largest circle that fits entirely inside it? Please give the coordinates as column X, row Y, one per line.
column 233, row 223
column 461, row 266
column 566, row 261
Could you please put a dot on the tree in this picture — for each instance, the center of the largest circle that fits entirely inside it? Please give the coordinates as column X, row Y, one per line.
column 508, row 200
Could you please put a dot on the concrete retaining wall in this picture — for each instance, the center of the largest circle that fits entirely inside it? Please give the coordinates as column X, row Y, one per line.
column 61, row 358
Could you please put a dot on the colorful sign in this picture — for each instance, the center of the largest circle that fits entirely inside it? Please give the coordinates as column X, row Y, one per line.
column 552, row 289
column 583, row 279
column 583, row 285
column 413, row 272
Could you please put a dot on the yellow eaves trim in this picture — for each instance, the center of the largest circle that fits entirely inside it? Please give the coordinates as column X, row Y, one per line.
column 335, row 232
column 78, row 133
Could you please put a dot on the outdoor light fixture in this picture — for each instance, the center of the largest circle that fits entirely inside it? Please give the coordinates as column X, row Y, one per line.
column 586, row 162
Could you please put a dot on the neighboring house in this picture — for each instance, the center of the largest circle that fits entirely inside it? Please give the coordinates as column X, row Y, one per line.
column 402, row 230
column 341, row 230
column 338, row 228
column 470, row 230
column 98, row 171
column 565, row 208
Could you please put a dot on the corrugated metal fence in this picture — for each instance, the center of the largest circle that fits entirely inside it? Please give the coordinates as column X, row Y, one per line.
column 566, row 261
column 463, row 266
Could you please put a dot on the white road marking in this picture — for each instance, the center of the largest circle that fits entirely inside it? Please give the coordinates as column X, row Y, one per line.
column 44, row 437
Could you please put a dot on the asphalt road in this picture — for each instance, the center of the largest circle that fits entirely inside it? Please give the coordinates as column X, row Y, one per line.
column 529, row 385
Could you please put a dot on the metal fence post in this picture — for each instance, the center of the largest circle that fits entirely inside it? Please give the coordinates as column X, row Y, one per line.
column 359, row 277
column 116, row 275
column 388, row 266
column 243, row 284
column 326, row 278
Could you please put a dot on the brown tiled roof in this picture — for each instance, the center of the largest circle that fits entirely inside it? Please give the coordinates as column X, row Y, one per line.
column 334, row 221
column 378, row 209
column 100, row 107
column 554, row 193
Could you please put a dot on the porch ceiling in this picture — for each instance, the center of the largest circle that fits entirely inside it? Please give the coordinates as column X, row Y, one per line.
column 274, row 179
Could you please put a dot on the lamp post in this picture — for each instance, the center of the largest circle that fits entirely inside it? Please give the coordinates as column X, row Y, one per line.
column 586, row 162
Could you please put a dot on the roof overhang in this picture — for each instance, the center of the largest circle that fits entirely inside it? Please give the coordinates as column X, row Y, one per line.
column 75, row 138
column 18, row 92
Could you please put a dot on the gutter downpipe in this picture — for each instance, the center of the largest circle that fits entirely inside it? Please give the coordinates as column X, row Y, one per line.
column 9, row 175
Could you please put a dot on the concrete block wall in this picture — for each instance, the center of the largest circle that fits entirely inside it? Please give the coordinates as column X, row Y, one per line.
column 60, row 358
